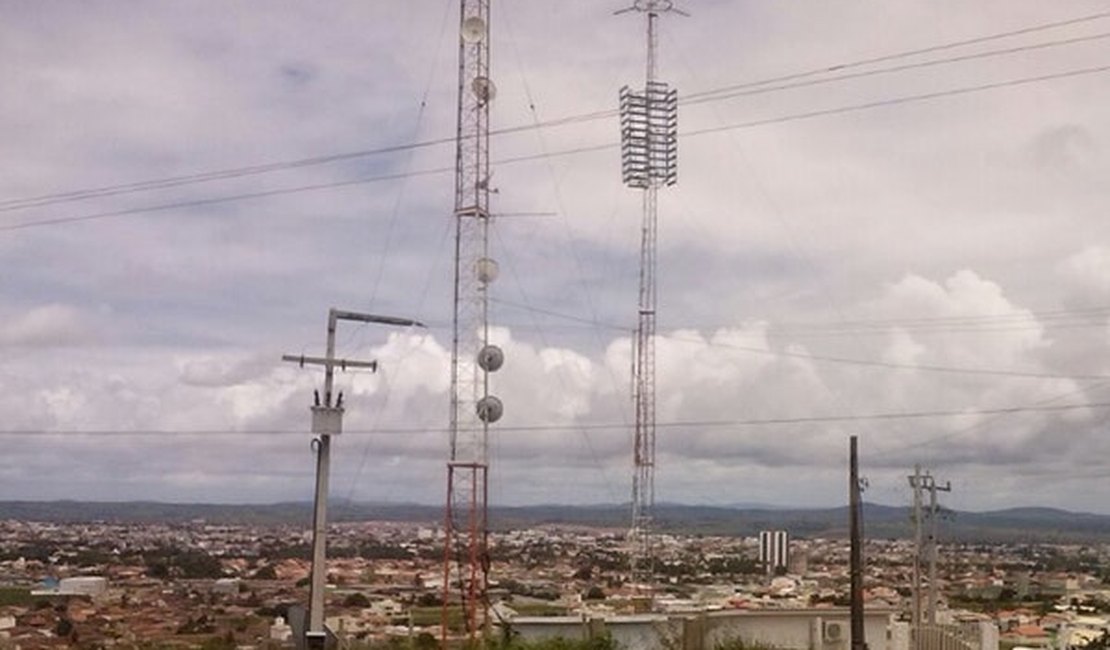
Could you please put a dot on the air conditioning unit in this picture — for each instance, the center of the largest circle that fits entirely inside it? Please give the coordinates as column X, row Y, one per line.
column 832, row 631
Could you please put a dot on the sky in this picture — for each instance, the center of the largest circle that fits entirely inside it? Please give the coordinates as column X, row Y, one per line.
column 889, row 222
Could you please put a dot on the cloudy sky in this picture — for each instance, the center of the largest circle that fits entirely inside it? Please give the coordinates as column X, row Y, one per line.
column 890, row 221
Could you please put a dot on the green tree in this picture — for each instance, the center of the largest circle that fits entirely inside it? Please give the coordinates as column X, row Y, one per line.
column 356, row 600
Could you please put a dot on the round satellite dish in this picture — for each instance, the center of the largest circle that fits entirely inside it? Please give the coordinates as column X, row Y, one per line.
column 483, row 89
column 490, row 409
column 474, row 29
column 491, row 358
column 487, row 270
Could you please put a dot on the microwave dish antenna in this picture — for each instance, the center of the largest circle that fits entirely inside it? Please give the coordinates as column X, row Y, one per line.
column 473, row 30
column 484, row 89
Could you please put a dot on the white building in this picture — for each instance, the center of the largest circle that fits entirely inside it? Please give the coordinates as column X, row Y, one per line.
column 774, row 550
column 77, row 586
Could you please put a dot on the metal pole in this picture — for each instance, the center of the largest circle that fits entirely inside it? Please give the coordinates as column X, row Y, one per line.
column 858, row 642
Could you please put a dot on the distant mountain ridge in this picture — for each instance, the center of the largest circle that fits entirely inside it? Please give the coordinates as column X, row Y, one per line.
column 880, row 521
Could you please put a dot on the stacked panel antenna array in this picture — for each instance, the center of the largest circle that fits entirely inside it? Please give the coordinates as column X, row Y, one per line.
column 649, row 135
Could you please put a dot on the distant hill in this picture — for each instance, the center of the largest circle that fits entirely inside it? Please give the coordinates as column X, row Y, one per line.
column 1012, row 525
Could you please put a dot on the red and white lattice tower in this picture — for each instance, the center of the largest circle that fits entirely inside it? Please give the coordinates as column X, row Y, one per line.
column 473, row 409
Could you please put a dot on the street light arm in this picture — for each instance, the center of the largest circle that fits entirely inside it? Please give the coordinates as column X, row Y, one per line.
column 339, row 314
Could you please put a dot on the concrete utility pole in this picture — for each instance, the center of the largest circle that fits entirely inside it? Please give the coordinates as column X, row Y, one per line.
column 915, row 616
column 925, row 547
column 931, row 610
column 327, row 420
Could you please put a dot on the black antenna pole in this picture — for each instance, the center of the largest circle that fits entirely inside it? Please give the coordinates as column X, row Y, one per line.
column 856, row 525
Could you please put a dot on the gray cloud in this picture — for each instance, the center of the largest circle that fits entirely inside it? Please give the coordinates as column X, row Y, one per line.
column 961, row 232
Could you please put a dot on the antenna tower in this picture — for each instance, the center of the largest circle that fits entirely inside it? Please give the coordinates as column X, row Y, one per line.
column 473, row 409
column 649, row 148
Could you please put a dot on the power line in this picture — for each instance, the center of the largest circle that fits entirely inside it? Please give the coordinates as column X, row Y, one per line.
column 708, row 95
column 910, row 53
column 995, row 318
column 841, row 360
column 1015, row 321
column 901, row 100
column 817, row 419
column 990, row 372
column 592, row 322
column 982, row 425
column 238, row 172
column 223, row 174
column 53, row 221
column 759, row 88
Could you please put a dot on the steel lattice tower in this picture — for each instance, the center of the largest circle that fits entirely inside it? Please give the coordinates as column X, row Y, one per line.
column 649, row 147
column 473, row 409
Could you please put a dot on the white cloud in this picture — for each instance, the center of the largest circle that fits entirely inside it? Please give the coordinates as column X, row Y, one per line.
column 1089, row 270
column 49, row 325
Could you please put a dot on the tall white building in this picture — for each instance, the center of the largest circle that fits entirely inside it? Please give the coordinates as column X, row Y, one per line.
column 774, row 549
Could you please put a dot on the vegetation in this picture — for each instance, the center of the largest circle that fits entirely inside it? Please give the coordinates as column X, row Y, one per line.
column 736, row 643
column 425, row 641
column 15, row 596
column 182, row 563
column 603, row 642
column 539, row 609
column 432, row 616
column 1007, row 598
column 356, row 600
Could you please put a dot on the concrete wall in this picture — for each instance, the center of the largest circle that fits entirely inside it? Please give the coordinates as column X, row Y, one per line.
column 988, row 635
column 796, row 629
column 804, row 629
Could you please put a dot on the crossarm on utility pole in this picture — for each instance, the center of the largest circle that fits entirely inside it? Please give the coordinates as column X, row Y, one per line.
column 342, row 364
column 340, row 314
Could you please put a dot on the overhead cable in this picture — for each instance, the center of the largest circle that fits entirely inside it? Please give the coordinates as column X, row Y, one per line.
column 615, row 426
column 50, row 221
column 708, row 95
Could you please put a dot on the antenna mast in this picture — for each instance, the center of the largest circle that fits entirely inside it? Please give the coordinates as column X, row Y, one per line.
column 649, row 147
column 473, row 409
